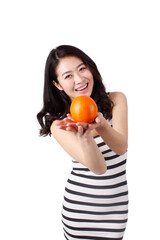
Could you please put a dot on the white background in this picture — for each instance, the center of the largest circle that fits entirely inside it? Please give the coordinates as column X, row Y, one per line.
column 123, row 38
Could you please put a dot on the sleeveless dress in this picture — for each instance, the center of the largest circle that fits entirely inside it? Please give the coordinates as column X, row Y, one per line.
column 95, row 206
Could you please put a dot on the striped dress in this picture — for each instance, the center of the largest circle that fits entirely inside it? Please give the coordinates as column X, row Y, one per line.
column 95, row 206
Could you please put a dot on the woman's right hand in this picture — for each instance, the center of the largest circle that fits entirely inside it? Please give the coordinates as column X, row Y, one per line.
column 69, row 124
column 66, row 124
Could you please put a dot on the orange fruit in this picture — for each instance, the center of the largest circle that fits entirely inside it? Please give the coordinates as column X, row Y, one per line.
column 83, row 109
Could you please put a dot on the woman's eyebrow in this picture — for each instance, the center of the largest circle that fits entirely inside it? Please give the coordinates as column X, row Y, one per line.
column 66, row 72
column 71, row 71
column 80, row 65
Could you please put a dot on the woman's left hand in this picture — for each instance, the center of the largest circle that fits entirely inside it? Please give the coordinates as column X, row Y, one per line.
column 99, row 120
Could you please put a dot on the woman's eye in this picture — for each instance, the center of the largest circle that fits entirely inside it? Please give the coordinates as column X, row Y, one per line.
column 68, row 76
column 82, row 68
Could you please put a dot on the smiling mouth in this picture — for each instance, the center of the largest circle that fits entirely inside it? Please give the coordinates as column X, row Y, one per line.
column 82, row 88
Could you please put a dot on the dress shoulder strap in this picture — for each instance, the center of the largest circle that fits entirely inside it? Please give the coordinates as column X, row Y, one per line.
column 110, row 122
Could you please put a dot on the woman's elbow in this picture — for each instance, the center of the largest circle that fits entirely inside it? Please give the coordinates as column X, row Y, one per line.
column 100, row 171
column 122, row 150
column 103, row 171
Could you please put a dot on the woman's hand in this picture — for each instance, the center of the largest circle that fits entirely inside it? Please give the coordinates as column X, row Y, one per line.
column 99, row 120
column 69, row 124
column 98, row 123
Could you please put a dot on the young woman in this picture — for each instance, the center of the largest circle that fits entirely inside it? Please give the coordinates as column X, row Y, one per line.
column 96, row 195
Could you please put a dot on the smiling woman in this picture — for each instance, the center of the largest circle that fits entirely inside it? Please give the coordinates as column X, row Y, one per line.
column 77, row 80
column 96, row 195
column 56, row 101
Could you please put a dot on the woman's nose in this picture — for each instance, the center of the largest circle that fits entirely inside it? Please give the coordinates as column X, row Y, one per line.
column 78, row 78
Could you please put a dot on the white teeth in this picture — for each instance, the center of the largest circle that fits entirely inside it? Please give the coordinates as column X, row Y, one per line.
column 80, row 89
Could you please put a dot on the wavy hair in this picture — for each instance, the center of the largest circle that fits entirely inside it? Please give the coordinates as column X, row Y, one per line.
column 56, row 103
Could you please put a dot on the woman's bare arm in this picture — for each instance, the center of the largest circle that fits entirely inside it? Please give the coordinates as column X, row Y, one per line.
column 80, row 145
column 116, row 137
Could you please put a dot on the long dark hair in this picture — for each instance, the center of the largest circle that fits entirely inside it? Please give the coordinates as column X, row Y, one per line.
column 56, row 103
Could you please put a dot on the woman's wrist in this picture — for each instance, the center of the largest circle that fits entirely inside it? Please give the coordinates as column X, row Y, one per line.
column 101, row 125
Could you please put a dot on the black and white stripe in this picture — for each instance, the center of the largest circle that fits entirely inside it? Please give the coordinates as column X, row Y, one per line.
column 96, row 206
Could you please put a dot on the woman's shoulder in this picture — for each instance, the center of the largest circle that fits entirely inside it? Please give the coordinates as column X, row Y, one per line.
column 117, row 97
column 54, row 126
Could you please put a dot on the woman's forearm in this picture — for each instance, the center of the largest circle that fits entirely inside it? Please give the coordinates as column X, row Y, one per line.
column 79, row 143
column 92, row 156
column 116, row 141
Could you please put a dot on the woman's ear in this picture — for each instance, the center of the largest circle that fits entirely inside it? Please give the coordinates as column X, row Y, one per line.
column 57, row 85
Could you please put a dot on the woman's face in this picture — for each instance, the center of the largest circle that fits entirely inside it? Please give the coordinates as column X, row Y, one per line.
column 74, row 77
